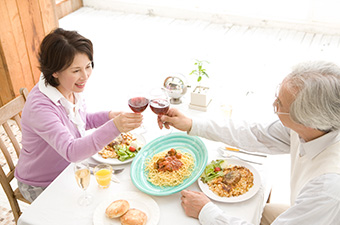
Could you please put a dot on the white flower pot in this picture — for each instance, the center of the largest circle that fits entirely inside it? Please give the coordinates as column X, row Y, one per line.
column 200, row 97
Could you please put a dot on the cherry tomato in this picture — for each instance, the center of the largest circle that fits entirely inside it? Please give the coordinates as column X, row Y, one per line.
column 217, row 169
column 132, row 149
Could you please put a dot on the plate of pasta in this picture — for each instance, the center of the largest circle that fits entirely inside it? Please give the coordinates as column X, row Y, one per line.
column 229, row 180
column 169, row 164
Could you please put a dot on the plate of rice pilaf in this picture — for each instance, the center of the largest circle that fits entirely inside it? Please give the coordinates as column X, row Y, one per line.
column 235, row 181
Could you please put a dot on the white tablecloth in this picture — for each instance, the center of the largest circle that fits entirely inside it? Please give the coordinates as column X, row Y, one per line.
column 58, row 203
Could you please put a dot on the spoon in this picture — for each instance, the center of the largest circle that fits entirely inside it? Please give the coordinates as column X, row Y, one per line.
column 117, row 170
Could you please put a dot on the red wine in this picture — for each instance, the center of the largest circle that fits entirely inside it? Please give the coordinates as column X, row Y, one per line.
column 159, row 106
column 138, row 104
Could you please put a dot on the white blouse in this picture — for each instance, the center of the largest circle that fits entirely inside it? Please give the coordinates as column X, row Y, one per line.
column 72, row 110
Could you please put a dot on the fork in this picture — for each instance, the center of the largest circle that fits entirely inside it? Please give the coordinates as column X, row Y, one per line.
column 226, row 155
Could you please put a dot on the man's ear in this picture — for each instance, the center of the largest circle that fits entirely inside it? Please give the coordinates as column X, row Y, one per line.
column 55, row 75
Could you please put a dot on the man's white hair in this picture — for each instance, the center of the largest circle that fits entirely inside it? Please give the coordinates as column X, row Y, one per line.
column 317, row 100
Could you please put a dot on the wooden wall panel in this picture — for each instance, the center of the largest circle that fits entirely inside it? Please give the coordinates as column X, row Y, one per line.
column 50, row 20
column 9, row 51
column 65, row 7
column 34, row 33
column 20, row 59
column 76, row 4
column 6, row 93
column 23, row 25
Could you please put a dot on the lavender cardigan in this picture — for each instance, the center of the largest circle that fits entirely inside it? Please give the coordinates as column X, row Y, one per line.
column 50, row 141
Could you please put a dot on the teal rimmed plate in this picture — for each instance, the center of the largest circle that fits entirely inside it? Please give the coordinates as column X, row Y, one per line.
column 181, row 141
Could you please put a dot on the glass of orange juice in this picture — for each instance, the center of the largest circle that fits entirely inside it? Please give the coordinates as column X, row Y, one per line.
column 103, row 174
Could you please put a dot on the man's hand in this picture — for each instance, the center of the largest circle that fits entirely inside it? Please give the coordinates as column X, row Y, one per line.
column 176, row 119
column 193, row 202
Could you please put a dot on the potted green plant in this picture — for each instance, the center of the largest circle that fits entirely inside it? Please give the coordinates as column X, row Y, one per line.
column 200, row 97
column 199, row 71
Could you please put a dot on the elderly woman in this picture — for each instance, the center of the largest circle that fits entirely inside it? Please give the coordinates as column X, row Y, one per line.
column 54, row 118
column 308, row 107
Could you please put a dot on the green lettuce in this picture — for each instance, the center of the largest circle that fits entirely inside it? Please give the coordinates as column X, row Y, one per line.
column 210, row 172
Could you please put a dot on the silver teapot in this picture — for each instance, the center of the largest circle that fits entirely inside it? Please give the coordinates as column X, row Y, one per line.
column 175, row 87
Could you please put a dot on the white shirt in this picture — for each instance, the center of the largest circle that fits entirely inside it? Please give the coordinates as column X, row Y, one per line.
column 72, row 110
column 319, row 200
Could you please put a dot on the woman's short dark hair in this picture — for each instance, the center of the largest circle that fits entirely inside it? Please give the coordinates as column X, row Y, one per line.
column 57, row 52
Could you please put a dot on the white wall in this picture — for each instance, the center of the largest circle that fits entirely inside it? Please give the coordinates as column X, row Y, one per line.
column 306, row 15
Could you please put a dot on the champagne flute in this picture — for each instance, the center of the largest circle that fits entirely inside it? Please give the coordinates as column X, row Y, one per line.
column 138, row 103
column 82, row 174
column 160, row 104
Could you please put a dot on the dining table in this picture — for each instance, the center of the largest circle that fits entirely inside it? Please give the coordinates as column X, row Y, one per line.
column 58, row 202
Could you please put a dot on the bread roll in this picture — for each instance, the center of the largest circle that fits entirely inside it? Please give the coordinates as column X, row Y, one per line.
column 117, row 208
column 134, row 217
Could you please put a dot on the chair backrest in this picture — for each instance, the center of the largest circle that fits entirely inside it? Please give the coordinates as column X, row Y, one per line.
column 10, row 116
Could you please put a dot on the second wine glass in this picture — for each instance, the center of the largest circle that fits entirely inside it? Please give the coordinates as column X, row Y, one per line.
column 160, row 104
column 138, row 103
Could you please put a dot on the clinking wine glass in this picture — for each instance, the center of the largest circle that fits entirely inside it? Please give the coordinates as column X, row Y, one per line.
column 82, row 174
column 160, row 105
column 138, row 103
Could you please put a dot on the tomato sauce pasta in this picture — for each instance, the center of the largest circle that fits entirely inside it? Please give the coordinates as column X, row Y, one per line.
column 160, row 175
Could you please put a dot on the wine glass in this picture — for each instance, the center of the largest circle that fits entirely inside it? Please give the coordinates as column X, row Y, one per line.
column 138, row 103
column 82, row 174
column 160, row 104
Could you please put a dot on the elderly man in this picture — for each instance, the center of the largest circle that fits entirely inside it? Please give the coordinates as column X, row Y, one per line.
column 308, row 107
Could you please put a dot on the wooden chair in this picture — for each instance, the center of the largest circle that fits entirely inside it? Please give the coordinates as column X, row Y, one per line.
column 11, row 114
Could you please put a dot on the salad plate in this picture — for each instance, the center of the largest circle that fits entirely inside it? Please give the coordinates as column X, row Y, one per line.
column 136, row 200
column 190, row 144
column 113, row 161
column 250, row 193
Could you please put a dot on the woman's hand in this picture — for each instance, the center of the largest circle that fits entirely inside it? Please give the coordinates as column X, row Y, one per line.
column 113, row 114
column 193, row 202
column 176, row 119
column 126, row 122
